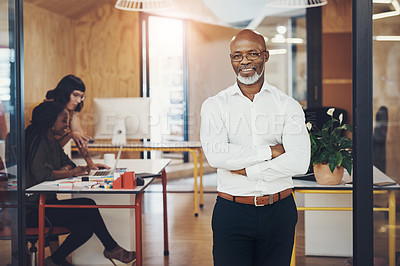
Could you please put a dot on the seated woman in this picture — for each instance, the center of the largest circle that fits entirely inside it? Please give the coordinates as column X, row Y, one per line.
column 70, row 92
column 46, row 160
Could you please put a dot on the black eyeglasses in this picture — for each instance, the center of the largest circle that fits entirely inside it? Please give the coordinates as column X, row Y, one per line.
column 250, row 56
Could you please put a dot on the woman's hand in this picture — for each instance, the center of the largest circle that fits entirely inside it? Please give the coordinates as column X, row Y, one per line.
column 102, row 166
column 97, row 166
column 80, row 170
column 79, row 138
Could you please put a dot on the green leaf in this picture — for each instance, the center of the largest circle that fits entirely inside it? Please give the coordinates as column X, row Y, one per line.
column 339, row 158
column 347, row 165
column 328, row 124
column 348, row 127
column 323, row 158
column 332, row 166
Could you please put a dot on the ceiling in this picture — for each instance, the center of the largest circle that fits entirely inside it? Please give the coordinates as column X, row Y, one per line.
column 69, row 8
column 234, row 13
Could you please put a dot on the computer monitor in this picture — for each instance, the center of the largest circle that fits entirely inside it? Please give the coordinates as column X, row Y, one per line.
column 134, row 111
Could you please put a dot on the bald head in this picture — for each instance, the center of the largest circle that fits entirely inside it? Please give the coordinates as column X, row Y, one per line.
column 248, row 35
column 248, row 57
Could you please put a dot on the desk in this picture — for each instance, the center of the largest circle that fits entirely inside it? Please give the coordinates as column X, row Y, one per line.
column 179, row 146
column 138, row 165
column 311, row 187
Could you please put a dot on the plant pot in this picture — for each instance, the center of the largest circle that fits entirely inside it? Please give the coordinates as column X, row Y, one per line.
column 324, row 176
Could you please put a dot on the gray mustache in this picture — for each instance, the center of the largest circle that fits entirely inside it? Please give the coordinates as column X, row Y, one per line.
column 244, row 67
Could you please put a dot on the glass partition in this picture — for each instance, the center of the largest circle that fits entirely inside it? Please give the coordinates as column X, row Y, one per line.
column 11, row 195
column 286, row 43
column 386, row 130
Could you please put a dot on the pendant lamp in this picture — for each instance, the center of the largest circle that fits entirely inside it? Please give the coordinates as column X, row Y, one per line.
column 296, row 3
column 143, row 5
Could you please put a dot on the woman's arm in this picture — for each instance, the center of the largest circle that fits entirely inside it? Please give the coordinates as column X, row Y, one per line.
column 64, row 139
column 69, row 171
column 81, row 139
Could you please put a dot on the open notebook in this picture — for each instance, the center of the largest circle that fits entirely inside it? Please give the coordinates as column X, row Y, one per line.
column 107, row 172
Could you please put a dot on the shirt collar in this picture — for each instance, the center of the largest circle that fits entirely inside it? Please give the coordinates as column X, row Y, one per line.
column 234, row 89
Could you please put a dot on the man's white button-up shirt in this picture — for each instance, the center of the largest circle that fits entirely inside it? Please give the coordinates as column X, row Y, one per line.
column 237, row 133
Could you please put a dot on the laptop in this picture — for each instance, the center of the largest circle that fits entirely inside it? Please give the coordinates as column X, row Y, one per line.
column 107, row 172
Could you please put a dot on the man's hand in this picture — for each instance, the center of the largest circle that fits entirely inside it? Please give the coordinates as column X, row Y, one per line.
column 277, row 150
column 239, row 172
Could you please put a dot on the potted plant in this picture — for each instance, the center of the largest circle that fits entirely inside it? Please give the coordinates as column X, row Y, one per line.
column 331, row 150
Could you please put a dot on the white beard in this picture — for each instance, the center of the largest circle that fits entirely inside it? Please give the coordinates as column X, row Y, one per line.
column 250, row 80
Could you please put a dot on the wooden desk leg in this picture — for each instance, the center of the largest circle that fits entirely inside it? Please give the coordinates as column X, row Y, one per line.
column 164, row 184
column 138, row 228
column 201, row 178
column 392, row 228
column 196, row 191
column 42, row 201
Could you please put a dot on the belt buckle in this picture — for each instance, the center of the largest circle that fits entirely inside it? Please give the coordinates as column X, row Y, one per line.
column 271, row 201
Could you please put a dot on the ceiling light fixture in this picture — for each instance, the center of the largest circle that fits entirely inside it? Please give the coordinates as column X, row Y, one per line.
column 281, row 39
column 393, row 38
column 277, row 51
column 143, row 5
column 296, row 3
column 395, row 12
column 281, row 29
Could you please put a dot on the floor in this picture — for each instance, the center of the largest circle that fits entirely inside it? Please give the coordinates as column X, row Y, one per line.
column 190, row 238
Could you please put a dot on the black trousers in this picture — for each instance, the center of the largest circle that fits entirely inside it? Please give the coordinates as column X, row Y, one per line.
column 246, row 235
column 82, row 223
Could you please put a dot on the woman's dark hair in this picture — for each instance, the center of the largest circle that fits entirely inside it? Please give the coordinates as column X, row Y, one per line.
column 62, row 93
column 43, row 118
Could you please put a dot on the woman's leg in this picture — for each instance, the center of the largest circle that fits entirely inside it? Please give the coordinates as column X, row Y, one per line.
column 82, row 223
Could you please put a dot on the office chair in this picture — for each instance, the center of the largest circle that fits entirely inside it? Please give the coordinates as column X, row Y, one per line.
column 32, row 236
column 379, row 138
column 31, row 233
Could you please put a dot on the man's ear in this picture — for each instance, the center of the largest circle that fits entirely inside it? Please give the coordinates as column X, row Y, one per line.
column 266, row 57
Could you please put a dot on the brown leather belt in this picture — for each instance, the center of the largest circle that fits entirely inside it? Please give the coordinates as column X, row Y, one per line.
column 257, row 201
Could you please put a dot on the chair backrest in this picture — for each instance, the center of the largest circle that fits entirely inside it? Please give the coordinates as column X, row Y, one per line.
column 379, row 138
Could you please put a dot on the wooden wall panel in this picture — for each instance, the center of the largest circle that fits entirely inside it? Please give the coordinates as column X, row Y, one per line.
column 337, row 56
column 336, row 16
column 69, row 8
column 107, row 56
column 210, row 69
column 337, row 71
column 49, row 52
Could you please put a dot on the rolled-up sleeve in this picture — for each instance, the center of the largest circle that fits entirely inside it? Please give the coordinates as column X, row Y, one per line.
column 296, row 143
column 215, row 142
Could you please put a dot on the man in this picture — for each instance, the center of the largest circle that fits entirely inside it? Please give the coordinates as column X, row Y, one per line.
column 255, row 136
